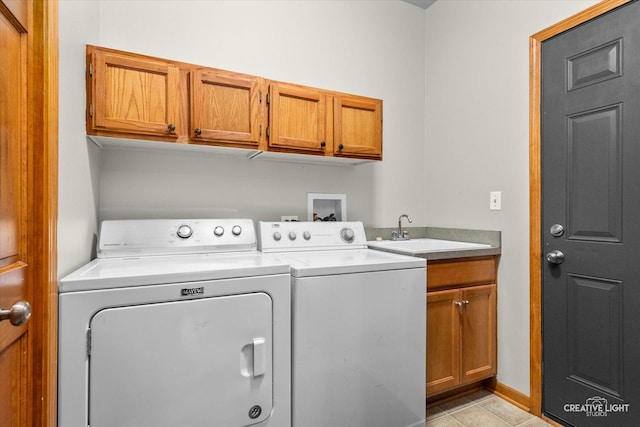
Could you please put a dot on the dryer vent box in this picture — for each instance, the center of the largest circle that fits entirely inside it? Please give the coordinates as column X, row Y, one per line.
column 321, row 206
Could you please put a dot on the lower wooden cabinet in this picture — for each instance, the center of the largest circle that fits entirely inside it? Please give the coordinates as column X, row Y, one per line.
column 461, row 332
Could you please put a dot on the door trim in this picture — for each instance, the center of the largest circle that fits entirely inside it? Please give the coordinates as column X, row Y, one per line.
column 535, row 187
column 42, row 190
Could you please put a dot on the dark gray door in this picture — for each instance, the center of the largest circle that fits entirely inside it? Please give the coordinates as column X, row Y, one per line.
column 591, row 221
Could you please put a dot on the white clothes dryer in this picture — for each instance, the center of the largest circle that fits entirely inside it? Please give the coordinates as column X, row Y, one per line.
column 177, row 323
column 358, row 326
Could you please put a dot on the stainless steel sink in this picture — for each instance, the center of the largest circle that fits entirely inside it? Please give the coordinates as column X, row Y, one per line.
column 421, row 246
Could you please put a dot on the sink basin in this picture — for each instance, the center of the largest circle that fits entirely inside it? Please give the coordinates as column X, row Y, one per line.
column 421, row 246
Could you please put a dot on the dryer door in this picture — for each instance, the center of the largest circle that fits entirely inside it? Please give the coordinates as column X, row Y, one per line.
column 187, row 363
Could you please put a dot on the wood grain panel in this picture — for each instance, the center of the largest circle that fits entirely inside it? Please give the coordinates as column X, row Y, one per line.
column 357, row 126
column 12, row 141
column 18, row 12
column 478, row 332
column 16, row 111
column 461, row 272
column 297, row 118
column 443, row 341
column 226, row 107
column 134, row 94
column 14, row 390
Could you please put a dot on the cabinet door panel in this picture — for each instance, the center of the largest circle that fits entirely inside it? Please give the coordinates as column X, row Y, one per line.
column 357, row 126
column 443, row 341
column 134, row 95
column 225, row 107
column 478, row 332
column 297, row 118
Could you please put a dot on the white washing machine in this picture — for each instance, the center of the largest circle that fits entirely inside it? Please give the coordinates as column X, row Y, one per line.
column 358, row 326
column 177, row 323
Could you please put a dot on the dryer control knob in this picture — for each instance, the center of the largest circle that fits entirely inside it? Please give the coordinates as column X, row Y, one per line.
column 184, row 232
column 277, row 236
column 306, row 235
column 218, row 231
column 236, row 230
column 292, row 235
column 347, row 235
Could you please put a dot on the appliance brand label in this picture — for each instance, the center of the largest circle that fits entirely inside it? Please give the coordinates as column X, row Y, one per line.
column 191, row 291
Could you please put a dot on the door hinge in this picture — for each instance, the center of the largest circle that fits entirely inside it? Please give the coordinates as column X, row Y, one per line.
column 90, row 110
column 260, row 131
column 268, row 132
column 260, row 97
column 90, row 69
column 268, row 99
column 89, row 342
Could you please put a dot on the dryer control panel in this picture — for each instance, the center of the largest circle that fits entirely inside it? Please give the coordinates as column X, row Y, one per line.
column 122, row 238
column 310, row 236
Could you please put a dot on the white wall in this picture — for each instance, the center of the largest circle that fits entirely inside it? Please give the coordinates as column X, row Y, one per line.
column 373, row 49
column 79, row 163
column 477, row 141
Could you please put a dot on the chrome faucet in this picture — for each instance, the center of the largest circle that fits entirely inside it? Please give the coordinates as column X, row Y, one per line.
column 401, row 234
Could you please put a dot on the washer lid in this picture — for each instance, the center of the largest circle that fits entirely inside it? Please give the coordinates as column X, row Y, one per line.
column 126, row 272
column 323, row 263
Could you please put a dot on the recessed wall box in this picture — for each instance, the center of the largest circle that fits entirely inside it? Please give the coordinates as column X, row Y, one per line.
column 323, row 206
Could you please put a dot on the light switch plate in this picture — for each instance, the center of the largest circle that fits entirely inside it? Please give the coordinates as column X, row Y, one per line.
column 495, row 200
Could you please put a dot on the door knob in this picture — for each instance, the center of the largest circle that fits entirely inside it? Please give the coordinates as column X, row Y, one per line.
column 555, row 257
column 18, row 314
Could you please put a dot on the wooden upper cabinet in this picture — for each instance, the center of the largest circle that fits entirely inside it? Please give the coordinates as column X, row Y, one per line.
column 226, row 108
column 357, row 126
column 132, row 94
column 297, row 118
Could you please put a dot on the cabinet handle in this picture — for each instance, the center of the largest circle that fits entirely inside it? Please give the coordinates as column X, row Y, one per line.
column 171, row 127
column 340, row 147
column 323, row 144
column 197, row 131
column 458, row 303
column 466, row 302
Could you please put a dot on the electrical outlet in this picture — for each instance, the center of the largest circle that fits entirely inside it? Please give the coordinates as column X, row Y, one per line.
column 288, row 218
column 495, row 200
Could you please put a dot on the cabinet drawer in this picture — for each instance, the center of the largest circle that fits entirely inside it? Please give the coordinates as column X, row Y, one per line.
column 461, row 272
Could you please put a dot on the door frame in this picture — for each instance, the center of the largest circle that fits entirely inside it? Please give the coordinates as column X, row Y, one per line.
column 535, row 189
column 42, row 194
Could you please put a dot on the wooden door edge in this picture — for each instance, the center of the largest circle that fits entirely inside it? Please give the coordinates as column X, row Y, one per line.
column 535, row 188
column 43, row 217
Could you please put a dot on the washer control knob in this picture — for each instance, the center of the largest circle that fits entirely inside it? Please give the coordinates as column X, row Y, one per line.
column 347, row 235
column 236, row 230
column 292, row 235
column 277, row 236
column 184, row 232
column 218, row 231
column 306, row 235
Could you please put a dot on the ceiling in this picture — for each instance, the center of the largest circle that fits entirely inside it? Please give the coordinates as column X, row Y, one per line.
column 421, row 3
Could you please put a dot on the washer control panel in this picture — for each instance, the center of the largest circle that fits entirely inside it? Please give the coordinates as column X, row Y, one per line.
column 122, row 238
column 310, row 236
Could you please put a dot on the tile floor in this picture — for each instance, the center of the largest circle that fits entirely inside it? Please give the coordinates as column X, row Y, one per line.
column 480, row 409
